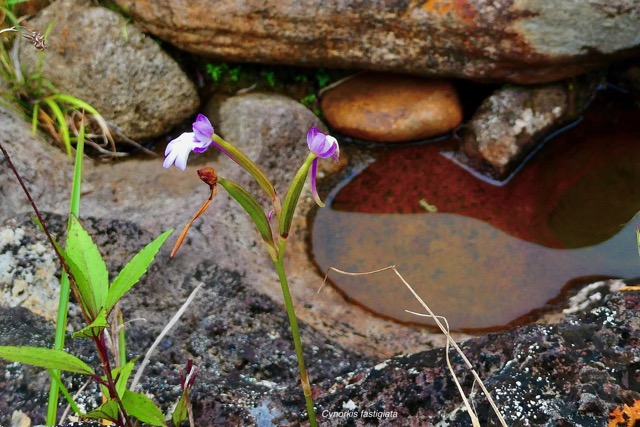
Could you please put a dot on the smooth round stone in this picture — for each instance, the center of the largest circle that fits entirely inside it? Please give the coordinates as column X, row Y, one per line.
column 392, row 108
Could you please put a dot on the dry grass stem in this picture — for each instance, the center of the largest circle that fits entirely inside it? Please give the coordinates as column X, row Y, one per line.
column 164, row 332
column 65, row 414
column 443, row 325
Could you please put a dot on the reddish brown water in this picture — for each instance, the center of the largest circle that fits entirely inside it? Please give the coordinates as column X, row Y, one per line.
column 490, row 256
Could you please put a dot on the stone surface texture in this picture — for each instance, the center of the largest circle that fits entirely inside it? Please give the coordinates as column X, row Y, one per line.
column 511, row 123
column 46, row 171
column 523, row 41
column 572, row 373
column 95, row 55
column 273, row 129
column 392, row 108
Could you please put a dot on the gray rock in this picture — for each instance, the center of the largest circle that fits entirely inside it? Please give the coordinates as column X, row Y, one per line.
column 45, row 170
column 95, row 55
column 271, row 129
column 511, row 123
column 530, row 41
column 573, row 372
column 239, row 336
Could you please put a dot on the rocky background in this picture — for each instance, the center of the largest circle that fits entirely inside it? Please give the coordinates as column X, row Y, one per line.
column 573, row 369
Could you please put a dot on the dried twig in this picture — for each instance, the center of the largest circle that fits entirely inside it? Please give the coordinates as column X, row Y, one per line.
column 164, row 332
column 444, row 327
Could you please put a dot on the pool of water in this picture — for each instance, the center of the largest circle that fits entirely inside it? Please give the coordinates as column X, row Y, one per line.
column 488, row 257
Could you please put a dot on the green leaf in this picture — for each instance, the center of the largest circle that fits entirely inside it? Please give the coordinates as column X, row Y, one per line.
column 253, row 208
column 106, row 411
column 82, row 283
column 143, row 408
column 123, row 373
column 45, row 358
column 92, row 330
column 134, row 269
column 62, row 123
column 84, row 253
column 180, row 413
column 291, row 199
column 74, row 102
column 55, row 376
column 247, row 164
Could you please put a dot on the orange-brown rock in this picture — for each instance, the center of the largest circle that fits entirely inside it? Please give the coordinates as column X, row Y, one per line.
column 392, row 108
column 522, row 41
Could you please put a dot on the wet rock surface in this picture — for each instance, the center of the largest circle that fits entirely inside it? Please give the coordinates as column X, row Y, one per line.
column 573, row 372
column 505, row 40
column 514, row 120
column 392, row 108
column 95, row 55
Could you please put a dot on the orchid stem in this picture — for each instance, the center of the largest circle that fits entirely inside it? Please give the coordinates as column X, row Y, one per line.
column 295, row 332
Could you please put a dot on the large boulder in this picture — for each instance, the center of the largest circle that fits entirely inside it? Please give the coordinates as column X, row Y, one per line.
column 95, row 55
column 519, row 41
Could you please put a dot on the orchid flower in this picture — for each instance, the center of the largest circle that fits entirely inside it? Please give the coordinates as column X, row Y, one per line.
column 177, row 152
column 323, row 146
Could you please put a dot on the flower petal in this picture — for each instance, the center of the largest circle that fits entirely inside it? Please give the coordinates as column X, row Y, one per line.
column 322, row 145
column 178, row 150
column 314, row 189
column 315, row 140
column 181, row 159
column 203, row 130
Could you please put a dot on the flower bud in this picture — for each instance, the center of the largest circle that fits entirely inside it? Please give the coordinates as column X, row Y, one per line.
column 208, row 175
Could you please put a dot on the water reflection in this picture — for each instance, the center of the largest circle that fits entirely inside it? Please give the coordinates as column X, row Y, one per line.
column 476, row 275
column 490, row 255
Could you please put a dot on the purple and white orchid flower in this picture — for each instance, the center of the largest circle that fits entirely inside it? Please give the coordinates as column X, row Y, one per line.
column 177, row 151
column 322, row 146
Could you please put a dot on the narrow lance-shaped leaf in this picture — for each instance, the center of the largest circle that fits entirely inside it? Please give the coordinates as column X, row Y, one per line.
column 83, row 286
column 75, row 102
column 291, row 199
column 143, row 408
column 247, row 164
column 121, row 374
column 180, row 413
column 107, row 411
column 62, row 123
column 85, row 254
column 134, row 269
column 55, row 377
column 45, row 358
column 93, row 330
column 253, row 208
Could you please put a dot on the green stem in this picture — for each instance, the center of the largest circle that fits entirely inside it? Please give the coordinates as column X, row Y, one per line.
column 295, row 332
column 63, row 301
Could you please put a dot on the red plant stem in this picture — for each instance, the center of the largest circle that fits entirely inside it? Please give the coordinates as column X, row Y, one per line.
column 110, row 383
